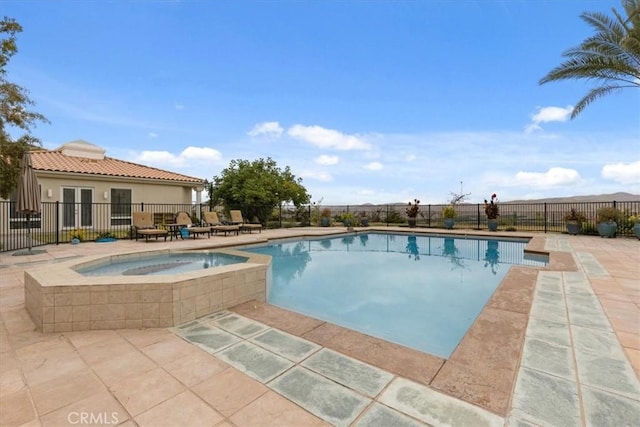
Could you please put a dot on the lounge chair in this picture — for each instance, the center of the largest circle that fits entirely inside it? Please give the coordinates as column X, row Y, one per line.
column 183, row 219
column 211, row 219
column 143, row 226
column 236, row 218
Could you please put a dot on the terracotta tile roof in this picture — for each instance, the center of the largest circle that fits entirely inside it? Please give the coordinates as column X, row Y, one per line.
column 55, row 161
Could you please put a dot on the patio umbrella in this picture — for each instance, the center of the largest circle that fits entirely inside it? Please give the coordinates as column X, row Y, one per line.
column 28, row 194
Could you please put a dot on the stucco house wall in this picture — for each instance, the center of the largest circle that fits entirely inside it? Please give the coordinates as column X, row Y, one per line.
column 84, row 181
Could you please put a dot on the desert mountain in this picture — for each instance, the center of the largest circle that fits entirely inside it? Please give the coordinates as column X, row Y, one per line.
column 618, row 197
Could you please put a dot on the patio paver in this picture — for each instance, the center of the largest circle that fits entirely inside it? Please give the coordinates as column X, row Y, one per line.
column 599, row 310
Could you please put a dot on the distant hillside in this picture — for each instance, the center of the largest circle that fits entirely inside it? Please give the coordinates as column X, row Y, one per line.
column 618, row 197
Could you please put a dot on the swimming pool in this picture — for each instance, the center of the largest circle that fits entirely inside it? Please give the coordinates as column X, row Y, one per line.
column 422, row 292
column 158, row 263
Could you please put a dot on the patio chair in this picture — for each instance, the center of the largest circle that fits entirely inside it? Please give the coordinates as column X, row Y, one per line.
column 211, row 219
column 236, row 218
column 183, row 220
column 143, row 226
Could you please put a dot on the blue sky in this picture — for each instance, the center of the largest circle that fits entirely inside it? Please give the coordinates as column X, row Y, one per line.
column 367, row 101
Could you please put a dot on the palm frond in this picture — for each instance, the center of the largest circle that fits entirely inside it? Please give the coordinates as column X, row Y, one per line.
column 603, row 24
column 593, row 94
column 594, row 68
column 611, row 55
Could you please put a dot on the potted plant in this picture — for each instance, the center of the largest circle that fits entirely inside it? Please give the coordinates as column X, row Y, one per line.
column 364, row 219
column 106, row 236
column 607, row 218
column 635, row 220
column 412, row 212
column 77, row 235
column 325, row 217
column 449, row 214
column 348, row 219
column 574, row 219
column 492, row 212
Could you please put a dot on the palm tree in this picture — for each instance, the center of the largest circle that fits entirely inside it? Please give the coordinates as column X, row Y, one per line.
column 611, row 55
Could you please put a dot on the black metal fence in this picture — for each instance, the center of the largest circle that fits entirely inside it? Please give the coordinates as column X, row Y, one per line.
column 60, row 222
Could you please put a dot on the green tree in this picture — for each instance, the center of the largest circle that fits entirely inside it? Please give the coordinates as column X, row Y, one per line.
column 256, row 188
column 14, row 101
column 611, row 55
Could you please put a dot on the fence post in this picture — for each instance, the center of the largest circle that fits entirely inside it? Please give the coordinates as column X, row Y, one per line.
column 309, row 216
column 142, row 206
column 545, row 217
column 280, row 215
column 478, row 226
column 57, row 216
column 429, row 217
column 387, row 215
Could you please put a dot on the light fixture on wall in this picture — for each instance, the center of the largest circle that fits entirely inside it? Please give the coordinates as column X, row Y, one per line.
column 106, row 195
column 49, row 193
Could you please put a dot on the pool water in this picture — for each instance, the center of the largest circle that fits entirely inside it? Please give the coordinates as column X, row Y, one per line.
column 422, row 292
column 155, row 264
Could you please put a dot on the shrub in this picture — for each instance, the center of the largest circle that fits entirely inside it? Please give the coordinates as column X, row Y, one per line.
column 348, row 219
column 449, row 211
column 106, row 235
column 608, row 214
column 574, row 215
column 394, row 217
column 78, row 233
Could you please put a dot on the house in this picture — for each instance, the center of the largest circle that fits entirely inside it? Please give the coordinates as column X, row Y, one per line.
column 87, row 189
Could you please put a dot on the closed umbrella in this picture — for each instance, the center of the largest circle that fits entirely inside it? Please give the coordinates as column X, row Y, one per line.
column 28, row 194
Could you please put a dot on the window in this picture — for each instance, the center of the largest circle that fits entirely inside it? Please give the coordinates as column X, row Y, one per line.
column 120, row 206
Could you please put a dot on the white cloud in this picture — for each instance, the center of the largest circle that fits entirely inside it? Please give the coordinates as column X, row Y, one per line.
column 201, row 153
column 554, row 177
column 624, row 173
column 317, row 176
column 187, row 156
column 179, row 107
column 152, row 135
column 373, row 166
column 410, row 157
column 327, row 160
column 157, row 157
column 268, row 129
column 327, row 138
column 549, row 114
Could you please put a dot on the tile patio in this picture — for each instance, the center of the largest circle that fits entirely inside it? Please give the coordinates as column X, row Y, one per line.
column 556, row 346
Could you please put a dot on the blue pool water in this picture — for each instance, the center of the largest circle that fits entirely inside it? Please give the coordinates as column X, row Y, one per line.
column 155, row 264
column 419, row 291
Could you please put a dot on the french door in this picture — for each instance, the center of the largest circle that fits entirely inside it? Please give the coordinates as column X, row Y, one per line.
column 77, row 207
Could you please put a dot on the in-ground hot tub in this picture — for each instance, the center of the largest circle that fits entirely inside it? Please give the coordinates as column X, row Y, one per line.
column 153, row 289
